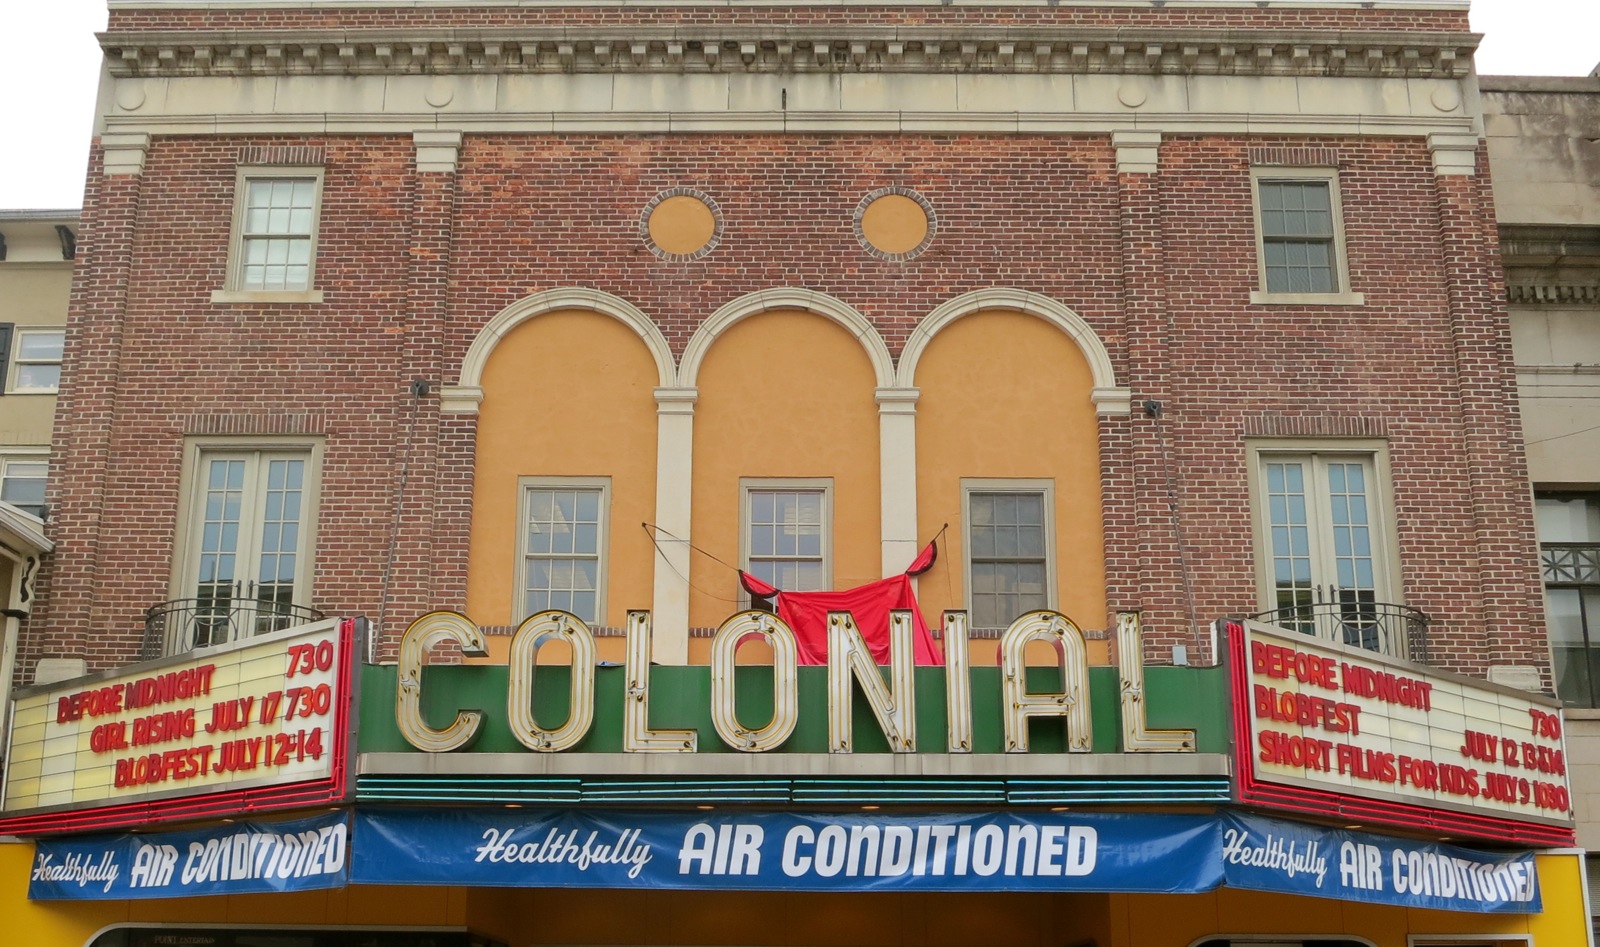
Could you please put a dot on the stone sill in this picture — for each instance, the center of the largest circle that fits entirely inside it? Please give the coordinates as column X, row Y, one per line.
column 275, row 298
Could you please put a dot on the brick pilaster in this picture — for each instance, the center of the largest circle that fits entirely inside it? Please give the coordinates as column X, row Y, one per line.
column 1511, row 607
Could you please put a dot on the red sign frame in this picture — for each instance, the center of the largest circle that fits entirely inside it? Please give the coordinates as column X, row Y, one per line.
column 1252, row 790
column 336, row 787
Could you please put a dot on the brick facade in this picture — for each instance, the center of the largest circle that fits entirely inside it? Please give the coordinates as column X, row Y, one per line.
column 1161, row 266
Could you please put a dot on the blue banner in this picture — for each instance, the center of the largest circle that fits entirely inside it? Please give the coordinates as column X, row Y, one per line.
column 787, row 851
column 242, row 858
column 1290, row 858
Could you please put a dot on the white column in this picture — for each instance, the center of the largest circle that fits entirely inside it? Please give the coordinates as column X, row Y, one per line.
column 669, row 628
column 897, row 472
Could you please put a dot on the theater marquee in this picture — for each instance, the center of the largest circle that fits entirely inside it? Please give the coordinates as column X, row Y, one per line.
column 258, row 723
column 1320, row 727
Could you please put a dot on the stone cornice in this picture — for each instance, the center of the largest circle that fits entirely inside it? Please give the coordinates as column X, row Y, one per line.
column 779, row 49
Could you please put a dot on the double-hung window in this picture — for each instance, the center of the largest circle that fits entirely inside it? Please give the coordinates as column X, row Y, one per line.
column 273, row 251
column 1009, row 544
column 22, row 480
column 563, row 545
column 787, row 533
column 1300, row 238
column 36, row 361
column 1569, row 547
column 246, row 565
column 1322, row 524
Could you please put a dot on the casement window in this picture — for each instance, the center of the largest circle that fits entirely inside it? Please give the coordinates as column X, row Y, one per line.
column 272, row 255
column 22, row 479
column 1009, row 549
column 1325, row 546
column 35, row 361
column 786, row 533
column 1569, row 548
column 1300, row 248
column 562, row 555
column 245, row 567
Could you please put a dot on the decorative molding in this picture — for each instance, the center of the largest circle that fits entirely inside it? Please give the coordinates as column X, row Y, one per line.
column 908, row 193
column 275, row 423
column 1453, row 153
column 667, row 255
column 676, row 400
column 897, row 400
column 1108, row 397
column 1314, row 425
column 787, row 298
column 312, row 156
column 460, row 399
column 124, row 152
column 437, row 150
column 1553, row 294
column 842, row 48
column 549, row 301
column 1138, row 152
column 1293, row 157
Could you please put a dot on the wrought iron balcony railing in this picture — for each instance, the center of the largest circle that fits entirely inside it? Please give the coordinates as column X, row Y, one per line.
column 188, row 623
column 1570, row 563
column 1394, row 630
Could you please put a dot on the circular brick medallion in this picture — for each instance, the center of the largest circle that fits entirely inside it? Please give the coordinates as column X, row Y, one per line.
column 681, row 224
column 895, row 223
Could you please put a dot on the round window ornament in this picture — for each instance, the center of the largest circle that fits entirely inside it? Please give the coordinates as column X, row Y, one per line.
column 681, row 224
column 895, row 224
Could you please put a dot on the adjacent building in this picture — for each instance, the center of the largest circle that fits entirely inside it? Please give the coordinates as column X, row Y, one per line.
column 1543, row 145
column 478, row 422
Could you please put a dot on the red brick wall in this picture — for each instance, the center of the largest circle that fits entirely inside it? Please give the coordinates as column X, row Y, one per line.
column 1161, row 266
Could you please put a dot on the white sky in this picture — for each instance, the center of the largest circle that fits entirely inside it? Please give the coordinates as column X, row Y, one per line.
column 50, row 67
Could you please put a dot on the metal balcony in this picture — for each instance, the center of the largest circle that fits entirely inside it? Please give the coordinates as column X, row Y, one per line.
column 188, row 623
column 1393, row 630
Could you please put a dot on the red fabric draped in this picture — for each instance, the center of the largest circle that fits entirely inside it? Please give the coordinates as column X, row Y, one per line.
column 807, row 614
column 870, row 605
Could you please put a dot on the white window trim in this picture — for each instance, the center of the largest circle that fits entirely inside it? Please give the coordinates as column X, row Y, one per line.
column 1341, row 259
column 602, row 544
column 233, row 292
column 25, row 455
column 1386, row 571
column 749, row 484
column 1046, row 486
column 195, row 452
column 14, row 369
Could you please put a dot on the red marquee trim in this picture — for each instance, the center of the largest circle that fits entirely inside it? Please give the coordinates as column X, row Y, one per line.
column 334, row 788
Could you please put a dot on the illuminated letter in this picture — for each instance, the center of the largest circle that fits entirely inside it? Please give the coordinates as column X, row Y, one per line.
column 419, row 639
column 848, row 656
column 957, row 683
column 1073, row 701
column 1136, row 737
column 785, row 690
column 637, row 737
column 532, row 634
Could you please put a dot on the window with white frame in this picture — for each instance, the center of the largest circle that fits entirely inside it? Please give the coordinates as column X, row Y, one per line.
column 22, row 480
column 36, row 360
column 1300, row 237
column 787, row 533
column 275, row 230
column 1325, row 545
column 246, row 564
column 562, row 562
column 1009, row 544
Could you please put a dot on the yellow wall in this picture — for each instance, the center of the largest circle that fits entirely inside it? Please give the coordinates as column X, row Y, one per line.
column 1006, row 395
column 783, row 394
column 31, row 294
column 528, row 425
